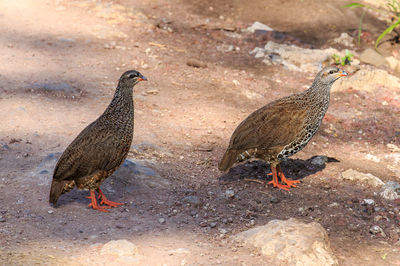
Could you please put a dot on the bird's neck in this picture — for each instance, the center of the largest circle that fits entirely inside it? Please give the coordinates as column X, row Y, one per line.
column 318, row 93
column 122, row 103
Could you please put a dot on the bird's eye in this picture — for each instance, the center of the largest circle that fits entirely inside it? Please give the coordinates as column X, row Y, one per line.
column 332, row 72
column 131, row 76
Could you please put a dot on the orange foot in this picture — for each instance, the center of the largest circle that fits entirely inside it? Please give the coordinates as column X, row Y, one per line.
column 289, row 183
column 275, row 182
column 93, row 204
column 105, row 201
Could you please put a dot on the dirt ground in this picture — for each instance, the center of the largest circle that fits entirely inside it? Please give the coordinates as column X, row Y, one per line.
column 184, row 117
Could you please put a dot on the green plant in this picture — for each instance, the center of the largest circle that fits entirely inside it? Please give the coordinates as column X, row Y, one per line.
column 345, row 60
column 393, row 10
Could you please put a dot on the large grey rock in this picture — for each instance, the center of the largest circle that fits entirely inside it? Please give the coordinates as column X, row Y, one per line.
column 369, row 79
column 294, row 57
column 363, row 178
column 291, row 242
column 370, row 56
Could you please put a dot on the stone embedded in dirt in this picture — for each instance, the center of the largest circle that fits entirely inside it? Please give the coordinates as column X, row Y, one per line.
column 293, row 57
column 372, row 57
column 2, row 219
column 345, row 39
column 368, row 78
column 225, row 48
column 319, row 160
column 192, row 200
column 119, row 248
column 229, row 193
column 292, row 242
column 368, row 179
column 390, row 190
column 153, row 91
column 368, row 202
column 274, row 200
column 161, row 221
column 213, row 224
column 196, row 63
column 375, row 229
column 178, row 251
column 258, row 26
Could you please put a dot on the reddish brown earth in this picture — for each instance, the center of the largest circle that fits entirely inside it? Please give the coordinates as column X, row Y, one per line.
column 184, row 118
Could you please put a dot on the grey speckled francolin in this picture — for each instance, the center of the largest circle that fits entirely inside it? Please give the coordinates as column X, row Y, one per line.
column 282, row 127
column 100, row 148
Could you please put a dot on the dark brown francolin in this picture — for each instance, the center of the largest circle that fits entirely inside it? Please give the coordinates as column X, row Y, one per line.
column 100, row 148
column 282, row 127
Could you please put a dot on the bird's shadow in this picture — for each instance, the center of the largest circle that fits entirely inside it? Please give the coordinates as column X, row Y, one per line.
column 294, row 169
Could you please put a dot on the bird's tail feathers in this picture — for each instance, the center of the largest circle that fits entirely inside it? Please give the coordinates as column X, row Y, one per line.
column 227, row 160
column 58, row 188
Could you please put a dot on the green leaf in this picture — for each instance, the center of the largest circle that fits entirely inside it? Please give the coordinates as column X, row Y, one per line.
column 385, row 32
column 353, row 5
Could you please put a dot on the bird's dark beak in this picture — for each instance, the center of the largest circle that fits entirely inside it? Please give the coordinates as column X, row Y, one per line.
column 142, row 78
column 342, row 74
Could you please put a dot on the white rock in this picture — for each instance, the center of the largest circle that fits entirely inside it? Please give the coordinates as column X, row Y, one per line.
column 390, row 190
column 372, row 158
column 292, row 242
column 258, row 26
column 344, row 39
column 225, row 48
column 369, row 79
column 178, row 251
column 393, row 63
column 119, row 248
column 392, row 147
column 368, row 202
column 354, row 175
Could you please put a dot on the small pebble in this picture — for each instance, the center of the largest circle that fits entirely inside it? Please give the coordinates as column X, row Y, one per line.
column 161, row 221
column 50, row 211
column 229, row 193
column 274, row 200
column 192, row 200
column 377, row 230
column 213, row 225
column 2, row 219
column 203, row 223
column 368, row 202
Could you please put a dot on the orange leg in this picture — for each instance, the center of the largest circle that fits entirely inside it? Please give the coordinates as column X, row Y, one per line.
column 289, row 183
column 93, row 204
column 275, row 181
column 105, row 201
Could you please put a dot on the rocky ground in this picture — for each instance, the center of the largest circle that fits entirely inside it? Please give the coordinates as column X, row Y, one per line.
column 60, row 61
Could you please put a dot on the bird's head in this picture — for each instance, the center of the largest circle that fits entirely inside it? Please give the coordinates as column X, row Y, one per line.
column 330, row 74
column 130, row 78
